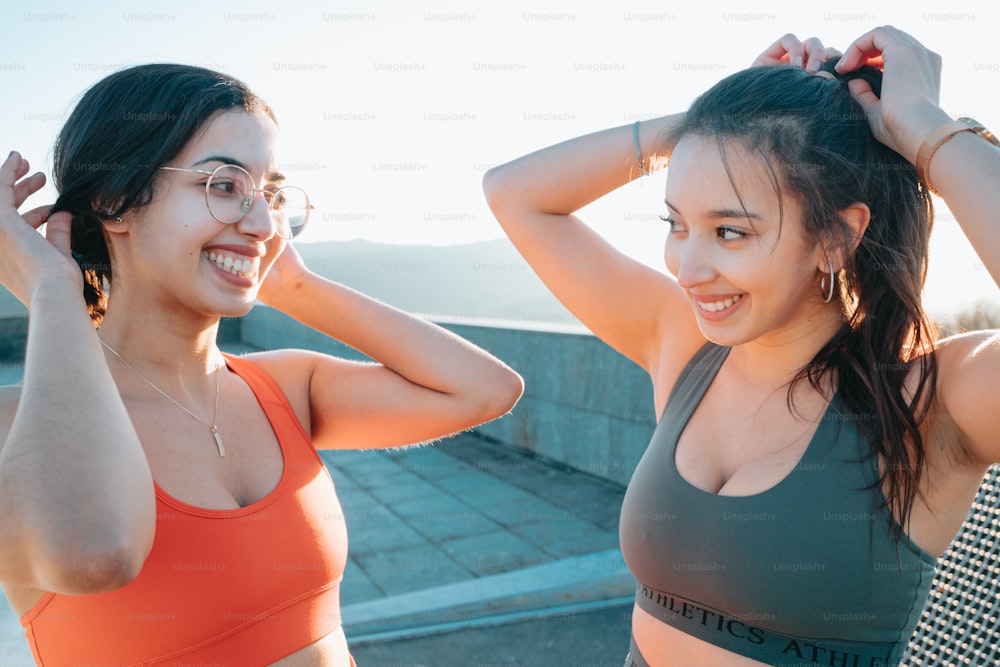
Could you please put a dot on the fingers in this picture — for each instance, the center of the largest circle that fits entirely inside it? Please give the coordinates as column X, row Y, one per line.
column 777, row 52
column 12, row 173
column 861, row 50
column 813, row 54
column 36, row 216
column 9, row 169
column 869, row 47
column 13, row 168
column 57, row 230
column 28, row 186
column 810, row 54
column 862, row 92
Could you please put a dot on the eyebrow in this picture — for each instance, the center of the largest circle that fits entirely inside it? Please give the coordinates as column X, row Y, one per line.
column 722, row 213
column 272, row 176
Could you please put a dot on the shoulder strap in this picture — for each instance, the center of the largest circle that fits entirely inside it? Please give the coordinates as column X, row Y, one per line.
column 694, row 380
column 269, row 394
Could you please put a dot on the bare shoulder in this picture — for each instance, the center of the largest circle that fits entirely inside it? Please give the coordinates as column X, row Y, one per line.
column 965, row 361
column 966, row 391
column 294, row 368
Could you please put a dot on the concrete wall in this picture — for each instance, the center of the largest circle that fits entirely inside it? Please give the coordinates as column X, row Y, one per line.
column 584, row 405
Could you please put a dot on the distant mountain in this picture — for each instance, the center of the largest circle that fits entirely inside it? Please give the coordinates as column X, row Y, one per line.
column 475, row 281
column 479, row 280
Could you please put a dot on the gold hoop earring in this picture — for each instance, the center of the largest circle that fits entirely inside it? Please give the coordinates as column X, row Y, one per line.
column 828, row 297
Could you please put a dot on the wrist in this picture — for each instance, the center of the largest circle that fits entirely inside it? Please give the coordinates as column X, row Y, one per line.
column 56, row 288
column 653, row 141
column 941, row 135
column 917, row 130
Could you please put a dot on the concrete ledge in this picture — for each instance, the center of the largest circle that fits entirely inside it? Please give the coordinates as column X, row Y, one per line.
column 585, row 405
column 581, row 579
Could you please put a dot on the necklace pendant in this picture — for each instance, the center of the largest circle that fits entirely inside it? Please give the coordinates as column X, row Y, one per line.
column 218, row 440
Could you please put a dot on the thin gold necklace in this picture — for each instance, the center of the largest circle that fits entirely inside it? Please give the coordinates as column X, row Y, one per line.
column 215, row 414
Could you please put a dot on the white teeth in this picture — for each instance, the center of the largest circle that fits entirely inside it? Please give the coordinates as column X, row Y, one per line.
column 716, row 306
column 238, row 267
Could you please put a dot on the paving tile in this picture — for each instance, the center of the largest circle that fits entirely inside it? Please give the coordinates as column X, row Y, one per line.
column 521, row 510
column 378, row 530
column 589, row 498
column 411, row 569
column 342, row 482
column 356, row 586
column 370, row 469
column 441, row 517
column 402, row 489
column 430, row 462
column 356, row 503
column 480, row 490
column 562, row 535
column 492, row 553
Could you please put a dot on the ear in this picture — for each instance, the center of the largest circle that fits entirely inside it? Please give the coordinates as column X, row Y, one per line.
column 856, row 217
column 117, row 225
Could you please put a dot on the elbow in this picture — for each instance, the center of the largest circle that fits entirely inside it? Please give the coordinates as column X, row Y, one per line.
column 94, row 558
column 504, row 394
column 86, row 571
column 493, row 187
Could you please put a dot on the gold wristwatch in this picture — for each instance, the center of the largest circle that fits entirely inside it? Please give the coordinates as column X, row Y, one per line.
column 942, row 134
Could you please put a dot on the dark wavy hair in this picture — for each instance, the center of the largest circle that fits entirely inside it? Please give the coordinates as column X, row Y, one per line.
column 121, row 131
column 818, row 146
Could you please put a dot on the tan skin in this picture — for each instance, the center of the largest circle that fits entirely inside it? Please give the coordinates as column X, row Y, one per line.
column 770, row 307
column 162, row 317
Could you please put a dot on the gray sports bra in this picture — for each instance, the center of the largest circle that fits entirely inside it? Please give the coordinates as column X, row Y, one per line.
column 806, row 573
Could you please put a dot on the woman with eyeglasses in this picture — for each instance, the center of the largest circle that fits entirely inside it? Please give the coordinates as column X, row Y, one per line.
column 162, row 502
column 817, row 447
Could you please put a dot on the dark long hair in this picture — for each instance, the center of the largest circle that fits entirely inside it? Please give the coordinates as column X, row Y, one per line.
column 122, row 130
column 819, row 147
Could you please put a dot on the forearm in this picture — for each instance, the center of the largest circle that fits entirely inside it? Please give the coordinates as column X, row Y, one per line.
column 965, row 171
column 72, row 469
column 423, row 353
column 564, row 178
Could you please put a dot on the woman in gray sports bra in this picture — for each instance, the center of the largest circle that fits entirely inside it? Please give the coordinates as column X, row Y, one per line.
column 815, row 438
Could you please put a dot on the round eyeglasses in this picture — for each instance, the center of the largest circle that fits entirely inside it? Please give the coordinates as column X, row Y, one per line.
column 230, row 192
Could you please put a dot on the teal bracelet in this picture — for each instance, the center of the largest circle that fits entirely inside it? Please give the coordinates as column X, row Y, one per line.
column 638, row 151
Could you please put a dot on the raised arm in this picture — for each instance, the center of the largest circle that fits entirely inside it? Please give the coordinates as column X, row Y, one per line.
column 964, row 171
column 77, row 509
column 427, row 382
column 534, row 198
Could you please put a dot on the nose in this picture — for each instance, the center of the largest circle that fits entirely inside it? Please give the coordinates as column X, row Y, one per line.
column 258, row 223
column 689, row 262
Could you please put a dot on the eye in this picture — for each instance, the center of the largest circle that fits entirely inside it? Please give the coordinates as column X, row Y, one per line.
column 223, row 186
column 671, row 222
column 276, row 198
column 730, row 233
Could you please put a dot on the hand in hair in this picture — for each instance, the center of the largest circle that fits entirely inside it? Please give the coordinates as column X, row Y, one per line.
column 789, row 50
column 26, row 256
column 284, row 276
column 907, row 109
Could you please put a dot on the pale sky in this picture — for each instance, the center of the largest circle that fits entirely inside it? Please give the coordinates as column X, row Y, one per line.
column 392, row 111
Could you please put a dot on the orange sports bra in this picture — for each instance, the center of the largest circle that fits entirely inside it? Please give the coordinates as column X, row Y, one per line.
column 229, row 587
